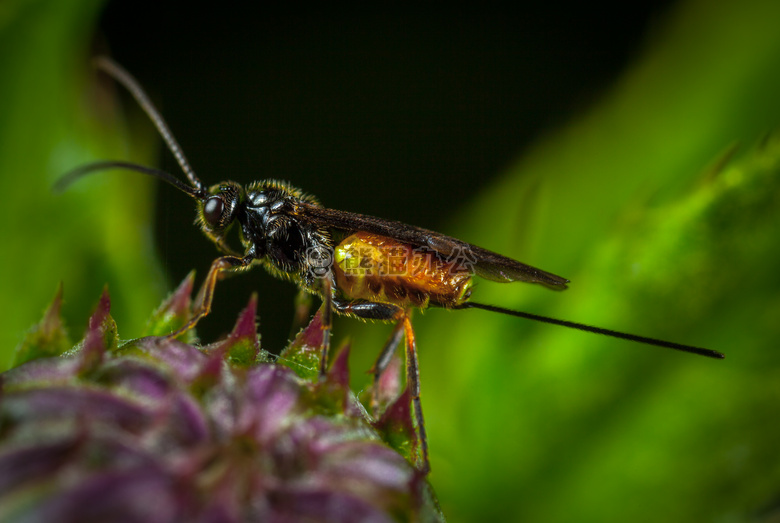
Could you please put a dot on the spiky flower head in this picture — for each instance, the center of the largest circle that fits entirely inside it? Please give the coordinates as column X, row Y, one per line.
column 159, row 430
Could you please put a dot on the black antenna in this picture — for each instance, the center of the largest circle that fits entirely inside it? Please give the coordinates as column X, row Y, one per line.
column 598, row 330
column 131, row 84
column 78, row 172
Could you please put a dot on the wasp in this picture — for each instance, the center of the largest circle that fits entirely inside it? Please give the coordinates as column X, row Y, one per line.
column 358, row 265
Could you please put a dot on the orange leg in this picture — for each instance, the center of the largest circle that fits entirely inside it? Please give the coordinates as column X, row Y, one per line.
column 202, row 306
column 386, row 312
column 413, row 382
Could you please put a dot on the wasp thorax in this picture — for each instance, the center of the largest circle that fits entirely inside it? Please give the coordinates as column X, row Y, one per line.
column 273, row 229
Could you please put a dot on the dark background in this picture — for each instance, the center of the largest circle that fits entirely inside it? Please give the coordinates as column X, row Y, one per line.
column 401, row 113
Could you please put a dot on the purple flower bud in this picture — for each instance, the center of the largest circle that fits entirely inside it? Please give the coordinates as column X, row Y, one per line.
column 157, row 430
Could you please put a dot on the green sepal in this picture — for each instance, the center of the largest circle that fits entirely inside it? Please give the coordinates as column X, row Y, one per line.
column 174, row 312
column 242, row 346
column 302, row 355
column 101, row 336
column 397, row 427
column 47, row 338
column 332, row 394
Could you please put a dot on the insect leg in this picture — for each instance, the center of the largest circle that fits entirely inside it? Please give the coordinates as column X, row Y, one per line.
column 389, row 312
column 206, row 294
column 361, row 309
column 413, row 382
column 327, row 322
column 384, row 359
column 303, row 302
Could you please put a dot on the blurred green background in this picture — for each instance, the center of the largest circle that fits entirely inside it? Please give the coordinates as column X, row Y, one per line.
column 644, row 169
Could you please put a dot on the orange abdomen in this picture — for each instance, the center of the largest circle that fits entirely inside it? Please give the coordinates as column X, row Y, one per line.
column 380, row 269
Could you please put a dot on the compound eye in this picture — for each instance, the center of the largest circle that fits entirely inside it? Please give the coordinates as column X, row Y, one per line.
column 212, row 210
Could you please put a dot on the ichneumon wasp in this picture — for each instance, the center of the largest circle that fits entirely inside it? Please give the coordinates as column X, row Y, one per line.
column 358, row 265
